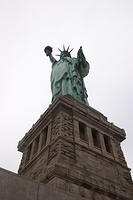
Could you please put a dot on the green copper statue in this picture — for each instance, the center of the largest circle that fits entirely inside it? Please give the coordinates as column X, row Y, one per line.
column 67, row 74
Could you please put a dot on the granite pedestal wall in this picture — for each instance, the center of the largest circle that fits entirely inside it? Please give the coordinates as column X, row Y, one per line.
column 73, row 147
column 15, row 187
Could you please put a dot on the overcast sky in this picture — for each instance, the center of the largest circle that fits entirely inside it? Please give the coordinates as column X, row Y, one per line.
column 105, row 30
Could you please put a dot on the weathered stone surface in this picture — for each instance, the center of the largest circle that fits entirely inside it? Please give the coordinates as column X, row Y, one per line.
column 15, row 187
column 81, row 152
column 62, row 126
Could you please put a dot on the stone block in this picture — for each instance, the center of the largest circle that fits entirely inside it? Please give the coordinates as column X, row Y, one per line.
column 13, row 187
column 46, row 193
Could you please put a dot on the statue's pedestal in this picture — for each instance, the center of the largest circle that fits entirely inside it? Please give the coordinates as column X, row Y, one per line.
column 74, row 148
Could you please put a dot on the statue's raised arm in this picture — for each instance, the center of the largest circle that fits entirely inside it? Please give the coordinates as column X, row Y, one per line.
column 48, row 51
column 68, row 73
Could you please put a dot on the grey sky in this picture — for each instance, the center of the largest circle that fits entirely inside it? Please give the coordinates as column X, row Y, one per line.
column 103, row 27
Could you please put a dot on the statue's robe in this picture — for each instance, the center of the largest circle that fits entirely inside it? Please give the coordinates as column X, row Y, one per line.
column 67, row 79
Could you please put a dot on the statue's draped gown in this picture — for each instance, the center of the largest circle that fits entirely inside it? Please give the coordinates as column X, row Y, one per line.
column 67, row 79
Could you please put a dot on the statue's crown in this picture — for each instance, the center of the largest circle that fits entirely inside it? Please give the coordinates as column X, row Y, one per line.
column 65, row 52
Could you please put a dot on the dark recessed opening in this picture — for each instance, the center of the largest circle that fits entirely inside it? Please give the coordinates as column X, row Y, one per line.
column 82, row 131
column 95, row 136
column 44, row 136
column 107, row 143
column 28, row 152
column 36, row 144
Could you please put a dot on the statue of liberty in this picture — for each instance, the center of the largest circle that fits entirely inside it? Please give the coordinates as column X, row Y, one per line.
column 68, row 73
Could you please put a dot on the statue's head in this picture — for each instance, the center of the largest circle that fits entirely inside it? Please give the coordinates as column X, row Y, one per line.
column 65, row 52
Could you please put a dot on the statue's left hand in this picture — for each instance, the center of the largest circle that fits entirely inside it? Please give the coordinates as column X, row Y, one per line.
column 80, row 55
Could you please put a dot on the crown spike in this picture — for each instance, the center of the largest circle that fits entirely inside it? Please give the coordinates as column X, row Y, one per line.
column 64, row 48
column 70, row 51
column 59, row 50
column 68, row 47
